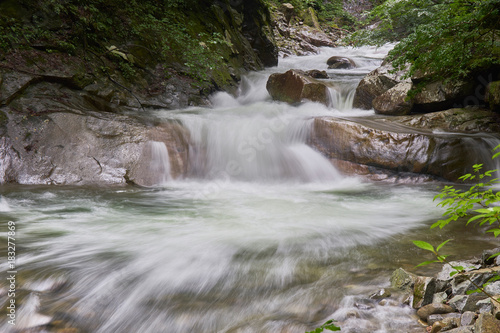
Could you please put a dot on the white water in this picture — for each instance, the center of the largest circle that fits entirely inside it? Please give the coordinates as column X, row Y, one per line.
column 264, row 235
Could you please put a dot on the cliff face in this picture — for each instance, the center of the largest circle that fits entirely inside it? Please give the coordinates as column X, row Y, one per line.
column 70, row 75
column 135, row 55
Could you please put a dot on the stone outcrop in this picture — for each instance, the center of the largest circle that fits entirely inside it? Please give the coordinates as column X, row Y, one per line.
column 294, row 86
column 93, row 148
column 58, row 126
column 459, row 311
column 492, row 96
column 374, row 146
column 395, row 101
column 295, row 37
column 338, row 62
column 374, row 84
column 387, row 93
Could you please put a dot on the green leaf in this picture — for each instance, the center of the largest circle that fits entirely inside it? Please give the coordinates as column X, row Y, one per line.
column 494, row 255
column 442, row 244
column 427, row 263
column 424, row 245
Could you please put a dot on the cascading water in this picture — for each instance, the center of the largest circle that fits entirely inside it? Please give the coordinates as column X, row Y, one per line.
column 263, row 235
column 160, row 162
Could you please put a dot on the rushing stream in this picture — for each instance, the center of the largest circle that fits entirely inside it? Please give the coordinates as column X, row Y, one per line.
column 264, row 235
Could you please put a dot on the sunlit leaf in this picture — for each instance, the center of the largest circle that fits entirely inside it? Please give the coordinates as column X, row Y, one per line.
column 424, row 245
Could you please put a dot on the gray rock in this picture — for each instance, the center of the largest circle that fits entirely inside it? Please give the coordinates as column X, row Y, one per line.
column 463, row 282
column 468, row 265
column 382, row 146
column 463, row 329
column 395, row 101
column 440, row 297
column 339, row 62
column 468, row 318
column 486, row 323
column 458, row 302
column 68, row 148
column 493, row 288
column 484, row 306
column 445, row 318
column 485, row 257
column 382, row 293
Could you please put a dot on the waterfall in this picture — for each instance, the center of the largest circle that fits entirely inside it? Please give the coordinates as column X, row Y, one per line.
column 259, row 144
column 160, row 162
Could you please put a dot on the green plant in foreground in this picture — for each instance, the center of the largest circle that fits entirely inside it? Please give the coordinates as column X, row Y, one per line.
column 479, row 203
column 326, row 326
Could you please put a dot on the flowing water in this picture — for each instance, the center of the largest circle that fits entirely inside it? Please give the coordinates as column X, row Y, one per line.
column 263, row 235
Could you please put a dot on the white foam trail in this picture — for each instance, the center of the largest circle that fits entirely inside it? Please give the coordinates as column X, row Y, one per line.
column 4, row 205
column 160, row 162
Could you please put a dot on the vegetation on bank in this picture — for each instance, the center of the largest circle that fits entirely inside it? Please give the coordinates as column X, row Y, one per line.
column 132, row 34
column 439, row 38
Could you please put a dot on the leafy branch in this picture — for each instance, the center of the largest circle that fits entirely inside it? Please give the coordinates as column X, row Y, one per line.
column 456, row 269
column 329, row 325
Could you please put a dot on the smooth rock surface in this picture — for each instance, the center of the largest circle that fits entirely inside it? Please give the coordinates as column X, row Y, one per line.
column 294, row 86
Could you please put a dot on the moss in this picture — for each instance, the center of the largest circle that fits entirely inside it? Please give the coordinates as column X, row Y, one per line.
column 3, row 119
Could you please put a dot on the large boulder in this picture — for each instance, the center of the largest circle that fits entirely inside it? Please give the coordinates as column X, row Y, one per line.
column 395, row 101
column 77, row 149
column 294, row 86
column 492, row 96
column 338, row 62
column 437, row 96
column 374, row 84
column 389, row 146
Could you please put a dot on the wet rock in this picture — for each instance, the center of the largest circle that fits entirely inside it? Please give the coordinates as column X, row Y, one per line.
column 382, row 144
column 437, row 96
column 430, row 309
column 338, row 62
column 382, row 293
column 458, row 119
column 403, row 280
column 486, row 323
column 395, row 101
column 295, row 86
column 492, row 96
column 68, row 148
column 317, row 74
column 374, row 84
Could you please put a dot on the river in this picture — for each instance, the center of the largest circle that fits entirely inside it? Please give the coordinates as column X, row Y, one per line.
column 263, row 235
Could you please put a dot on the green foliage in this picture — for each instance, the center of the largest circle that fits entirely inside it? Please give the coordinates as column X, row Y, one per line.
column 479, row 203
column 165, row 28
column 329, row 325
column 330, row 12
column 443, row 38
